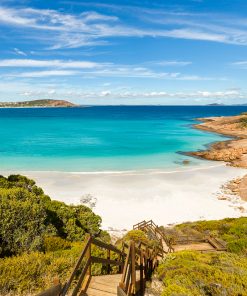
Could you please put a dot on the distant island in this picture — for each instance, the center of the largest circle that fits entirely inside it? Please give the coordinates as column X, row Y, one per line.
column 37, row 103
column 215, row 104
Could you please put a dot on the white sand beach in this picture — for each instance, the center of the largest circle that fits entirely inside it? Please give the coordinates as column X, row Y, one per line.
column 125, row 198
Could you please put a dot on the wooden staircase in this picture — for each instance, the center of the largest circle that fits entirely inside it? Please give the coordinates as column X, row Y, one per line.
column 134, row 264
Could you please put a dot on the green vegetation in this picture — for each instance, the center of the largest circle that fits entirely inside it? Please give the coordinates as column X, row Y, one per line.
column 243, row 122
column 193, row 274
column 28, row 216
column 40, row 238
column 190, row 273
column 136, row 236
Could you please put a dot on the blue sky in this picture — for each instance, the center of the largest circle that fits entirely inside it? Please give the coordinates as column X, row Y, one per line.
column 124, row 52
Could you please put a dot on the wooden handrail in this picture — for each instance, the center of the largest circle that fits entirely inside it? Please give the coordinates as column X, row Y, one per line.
column 136, row 264
column 67, row 285
column 85, row 273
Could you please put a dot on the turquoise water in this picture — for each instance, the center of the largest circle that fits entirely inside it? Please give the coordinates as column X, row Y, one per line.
column 103, row 138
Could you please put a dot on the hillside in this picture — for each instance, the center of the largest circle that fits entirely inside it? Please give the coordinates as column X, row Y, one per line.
column 42, row 239
column 38, row 103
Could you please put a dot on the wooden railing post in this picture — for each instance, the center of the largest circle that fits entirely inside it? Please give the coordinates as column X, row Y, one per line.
column 142, row 284
column 133, row 268
column 108, row 257
column 89, row 258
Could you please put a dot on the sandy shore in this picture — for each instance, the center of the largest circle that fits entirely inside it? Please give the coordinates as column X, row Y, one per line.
column 125, row 198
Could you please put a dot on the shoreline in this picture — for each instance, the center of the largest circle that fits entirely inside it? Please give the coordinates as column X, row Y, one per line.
column 168, row 198
column 171, row 196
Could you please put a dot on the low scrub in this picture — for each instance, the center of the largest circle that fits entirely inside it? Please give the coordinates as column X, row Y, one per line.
column 191, row 273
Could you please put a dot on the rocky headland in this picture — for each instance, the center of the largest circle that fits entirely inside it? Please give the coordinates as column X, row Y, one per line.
column 233, row 151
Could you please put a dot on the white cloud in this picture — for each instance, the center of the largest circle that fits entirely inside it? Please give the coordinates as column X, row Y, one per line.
column 19, row 52
column 195, row 95
column 240, row 64
column 64, row 30
column 92, row 69
column 40, row 74
column 105, row 93
column 47, row 63
column 171, row 63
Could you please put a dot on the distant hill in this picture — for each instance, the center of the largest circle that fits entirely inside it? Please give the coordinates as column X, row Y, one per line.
column 216, row 104
column 38, row 103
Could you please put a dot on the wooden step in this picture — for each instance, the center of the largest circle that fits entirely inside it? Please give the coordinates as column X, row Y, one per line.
column 105, row 285
column 216, row 244
column 97, row 292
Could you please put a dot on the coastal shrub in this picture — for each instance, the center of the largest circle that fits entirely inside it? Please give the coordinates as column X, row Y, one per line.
column 243, row 122
column 136, row 236
column 28, row 273
column 238, row 246
column 28, row 216
column 22, row 222
column 193, row 273
column 55, row 243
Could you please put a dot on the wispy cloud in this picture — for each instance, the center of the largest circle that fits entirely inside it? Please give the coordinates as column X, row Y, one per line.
column 92, row 69
column 40, row 74
column 19, row 52
column 64, row 30
column 170, row 63
column 240, row 64
column 47, row 63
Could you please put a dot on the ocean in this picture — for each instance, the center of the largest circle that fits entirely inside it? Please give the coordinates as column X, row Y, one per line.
column 104, row 138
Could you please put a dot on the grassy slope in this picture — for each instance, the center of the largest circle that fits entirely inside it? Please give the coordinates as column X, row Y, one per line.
column 191, row 273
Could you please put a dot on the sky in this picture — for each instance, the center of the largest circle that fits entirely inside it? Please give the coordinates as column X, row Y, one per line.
column 170, row 52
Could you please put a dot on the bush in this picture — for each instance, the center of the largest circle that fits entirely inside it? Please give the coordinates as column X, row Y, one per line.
column 28, row 215
column 55, row 243
column 243, row 122
column 29, row 273
column 193, row 273
column 22, row 222
column 136, row 236
column 238, row 246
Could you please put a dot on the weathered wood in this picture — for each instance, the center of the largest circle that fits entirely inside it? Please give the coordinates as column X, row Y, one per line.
column 133, row 267
column 120, row 292
column 105, row 246
column 105, row 261
column 67, row 285
column 81, row 278
column 136, row 265
column 142, row 288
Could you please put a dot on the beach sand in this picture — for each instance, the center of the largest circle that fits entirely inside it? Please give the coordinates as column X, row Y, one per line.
column 125, row 198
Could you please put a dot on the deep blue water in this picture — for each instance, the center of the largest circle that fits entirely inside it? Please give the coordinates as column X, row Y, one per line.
column 103, row 137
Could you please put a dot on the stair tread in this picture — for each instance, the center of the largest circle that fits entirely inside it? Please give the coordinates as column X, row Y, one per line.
column 104, row 287
column 98, row 292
